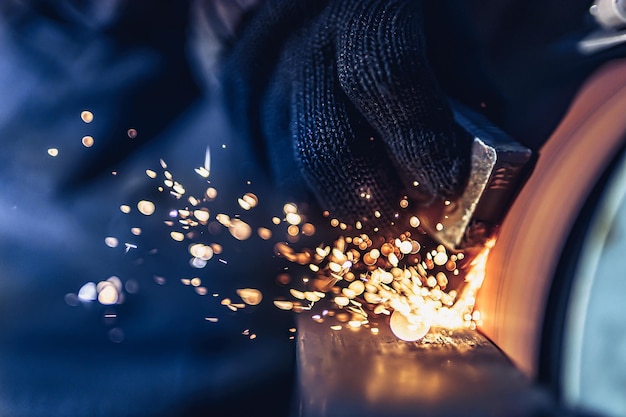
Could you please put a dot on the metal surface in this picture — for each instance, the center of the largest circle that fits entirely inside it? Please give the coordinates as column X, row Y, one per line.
column 352, row 372
column 531, row 238
column 497, row 169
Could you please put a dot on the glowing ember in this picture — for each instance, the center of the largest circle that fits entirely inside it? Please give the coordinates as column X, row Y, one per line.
column 197, row 263
column 111, row 242
column 409, row 327
column 251, row 199
column 308, row 229
column 177, row 236
column 239, row 229
column 400, row 278
column 87, row 292
column 248, row 201
column 203, row 172
column 342, row 301
column 87, row 141
column 290, row 208
column 146, row 207
column 283, row 305
column 474, row 281
column 201, row 251
column 108, row 294
column 250, row 296
column 207, row 161
column 86, row 116
column 211, row 193
column 244, row 204
column 264, row 233
column 293, row 218
column 406, row 278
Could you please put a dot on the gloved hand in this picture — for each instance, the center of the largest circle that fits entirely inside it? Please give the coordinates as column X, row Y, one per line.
column 339, row 96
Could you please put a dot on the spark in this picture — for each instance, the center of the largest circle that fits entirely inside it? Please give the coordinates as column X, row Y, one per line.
column 129, row 246
column 111, row 242
column 87, row 141
column 364, row 275
column 250, row 296
column 207, row 160
column 401, row 278
column 86, row 116
column 146, row 207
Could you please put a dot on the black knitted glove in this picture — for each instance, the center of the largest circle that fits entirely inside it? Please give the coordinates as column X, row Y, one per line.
column 338, row 95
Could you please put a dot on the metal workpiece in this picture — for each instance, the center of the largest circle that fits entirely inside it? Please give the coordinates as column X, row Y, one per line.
column 499, row 165
column 354, row 372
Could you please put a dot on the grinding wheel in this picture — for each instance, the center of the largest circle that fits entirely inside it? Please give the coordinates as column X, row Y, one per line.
column 532, row 238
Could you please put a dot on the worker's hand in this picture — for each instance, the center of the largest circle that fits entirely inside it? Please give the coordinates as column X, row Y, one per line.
column 339, row 96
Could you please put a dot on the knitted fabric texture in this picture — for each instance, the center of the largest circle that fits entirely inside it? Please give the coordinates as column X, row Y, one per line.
column 339, row 96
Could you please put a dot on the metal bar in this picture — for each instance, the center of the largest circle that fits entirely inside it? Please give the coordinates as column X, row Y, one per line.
column 353, row 372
